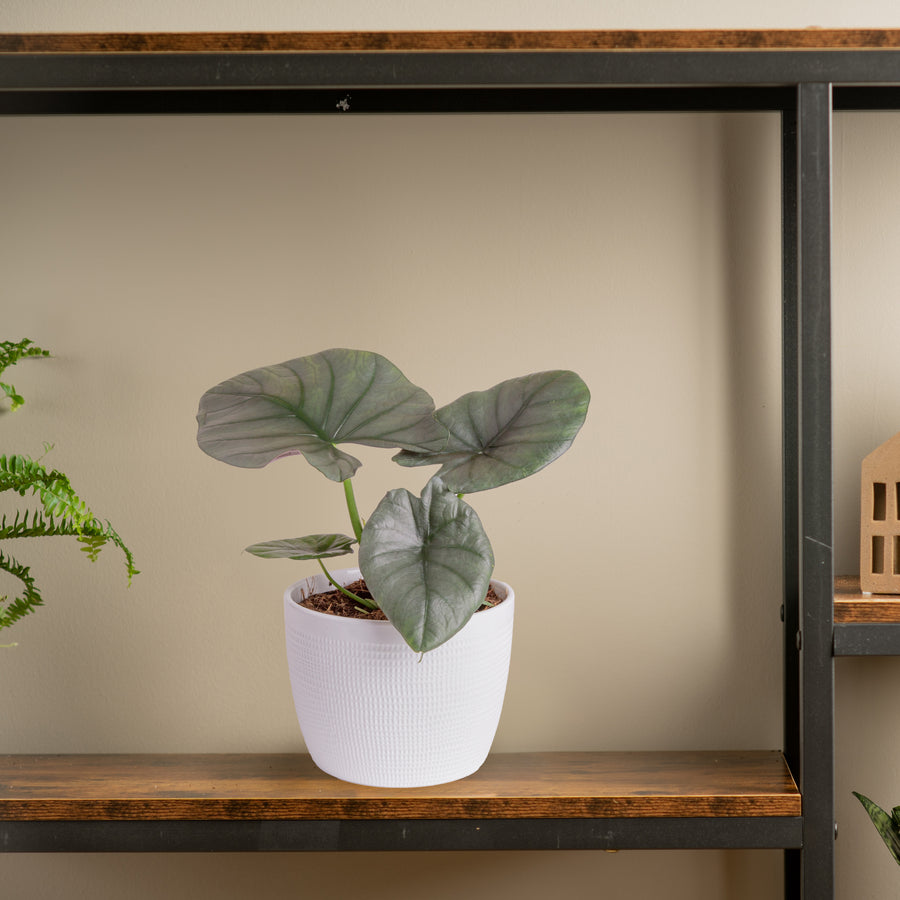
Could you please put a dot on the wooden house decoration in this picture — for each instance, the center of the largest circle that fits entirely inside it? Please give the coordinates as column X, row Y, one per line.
column 879, row 546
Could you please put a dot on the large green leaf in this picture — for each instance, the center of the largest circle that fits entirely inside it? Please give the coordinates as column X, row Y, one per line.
column 312, row 546
column 310, row 404
column 885, row 825
column 427, row 562
column 508, row 432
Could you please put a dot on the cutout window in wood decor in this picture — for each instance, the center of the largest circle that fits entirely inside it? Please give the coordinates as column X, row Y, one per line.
column 879, row 501
column 878, row 554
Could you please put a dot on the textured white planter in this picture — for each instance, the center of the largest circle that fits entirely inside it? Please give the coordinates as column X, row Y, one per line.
column 372, row 713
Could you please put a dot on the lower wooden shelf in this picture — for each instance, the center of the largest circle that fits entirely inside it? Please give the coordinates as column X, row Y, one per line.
column 570, row 800
column 864, row 624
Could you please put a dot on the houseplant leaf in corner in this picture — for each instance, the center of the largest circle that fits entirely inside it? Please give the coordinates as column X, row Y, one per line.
column 888, row 826
column 428, row 561
column 507, row 432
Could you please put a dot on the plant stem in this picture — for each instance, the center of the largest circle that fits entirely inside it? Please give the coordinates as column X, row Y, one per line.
column 351, row 508
column 368, row 604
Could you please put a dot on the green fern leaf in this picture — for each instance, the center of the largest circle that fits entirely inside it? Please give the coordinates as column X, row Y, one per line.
column 10, row 353
column 24, row 475
column 63, row 512
column 13, row 610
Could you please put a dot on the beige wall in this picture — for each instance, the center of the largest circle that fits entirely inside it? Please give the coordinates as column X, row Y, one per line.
column 158, row 256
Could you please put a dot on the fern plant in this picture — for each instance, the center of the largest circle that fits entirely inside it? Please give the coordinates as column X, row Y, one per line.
column 61, row 513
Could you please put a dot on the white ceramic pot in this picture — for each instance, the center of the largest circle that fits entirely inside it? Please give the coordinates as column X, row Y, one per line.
column 373, row 713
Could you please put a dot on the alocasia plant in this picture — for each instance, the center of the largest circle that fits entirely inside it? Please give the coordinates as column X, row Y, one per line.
column 426, row 560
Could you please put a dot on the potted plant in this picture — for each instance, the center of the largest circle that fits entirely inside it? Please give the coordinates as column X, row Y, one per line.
column 425, row 563
column 62, row 512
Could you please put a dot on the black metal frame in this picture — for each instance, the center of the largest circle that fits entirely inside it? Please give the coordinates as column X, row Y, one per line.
column 856, row 639
column 398, row 834
column 442, row 69
column 798, row 84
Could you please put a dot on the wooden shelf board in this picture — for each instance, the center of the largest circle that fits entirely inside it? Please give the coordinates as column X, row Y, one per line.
column 447, row 41
column 852, row 605
column 273, row 787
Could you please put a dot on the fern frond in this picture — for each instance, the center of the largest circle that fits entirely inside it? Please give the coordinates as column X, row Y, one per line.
column 97, row 535
column 23, row 474
column 21, row 526
column 13, row 610
column 64, row 514
column 93, row 534
column 10, row 353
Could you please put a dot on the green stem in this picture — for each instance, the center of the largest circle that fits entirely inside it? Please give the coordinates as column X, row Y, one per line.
column 368, row 604
column 351, row 508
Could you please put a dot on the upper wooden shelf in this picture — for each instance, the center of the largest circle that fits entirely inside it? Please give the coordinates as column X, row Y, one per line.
column 288, row 786
column 134, row 73
column 411, row 41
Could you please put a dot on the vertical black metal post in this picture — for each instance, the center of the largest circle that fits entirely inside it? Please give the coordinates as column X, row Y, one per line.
column 790, row 336
column 816, row 517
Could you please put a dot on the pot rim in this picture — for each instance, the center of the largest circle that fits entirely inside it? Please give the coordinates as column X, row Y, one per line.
column 499, row 586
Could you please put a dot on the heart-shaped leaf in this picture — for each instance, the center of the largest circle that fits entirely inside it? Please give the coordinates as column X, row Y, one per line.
column 313, row 546
column 310, row 404
column 508, row 432
column 427, row 562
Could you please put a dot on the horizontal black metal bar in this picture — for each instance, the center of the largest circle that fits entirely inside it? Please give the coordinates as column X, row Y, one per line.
column 857, row 639
column 867, row 97
column 395, row 100
column 451, row 69
column 388, row 835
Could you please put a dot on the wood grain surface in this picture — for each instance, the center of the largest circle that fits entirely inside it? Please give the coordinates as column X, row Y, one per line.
column 289, row 786
column 851, row 605
column 370, row 41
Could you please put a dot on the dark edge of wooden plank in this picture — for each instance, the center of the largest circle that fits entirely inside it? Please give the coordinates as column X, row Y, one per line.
column 437, row 41
column 400, row 834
